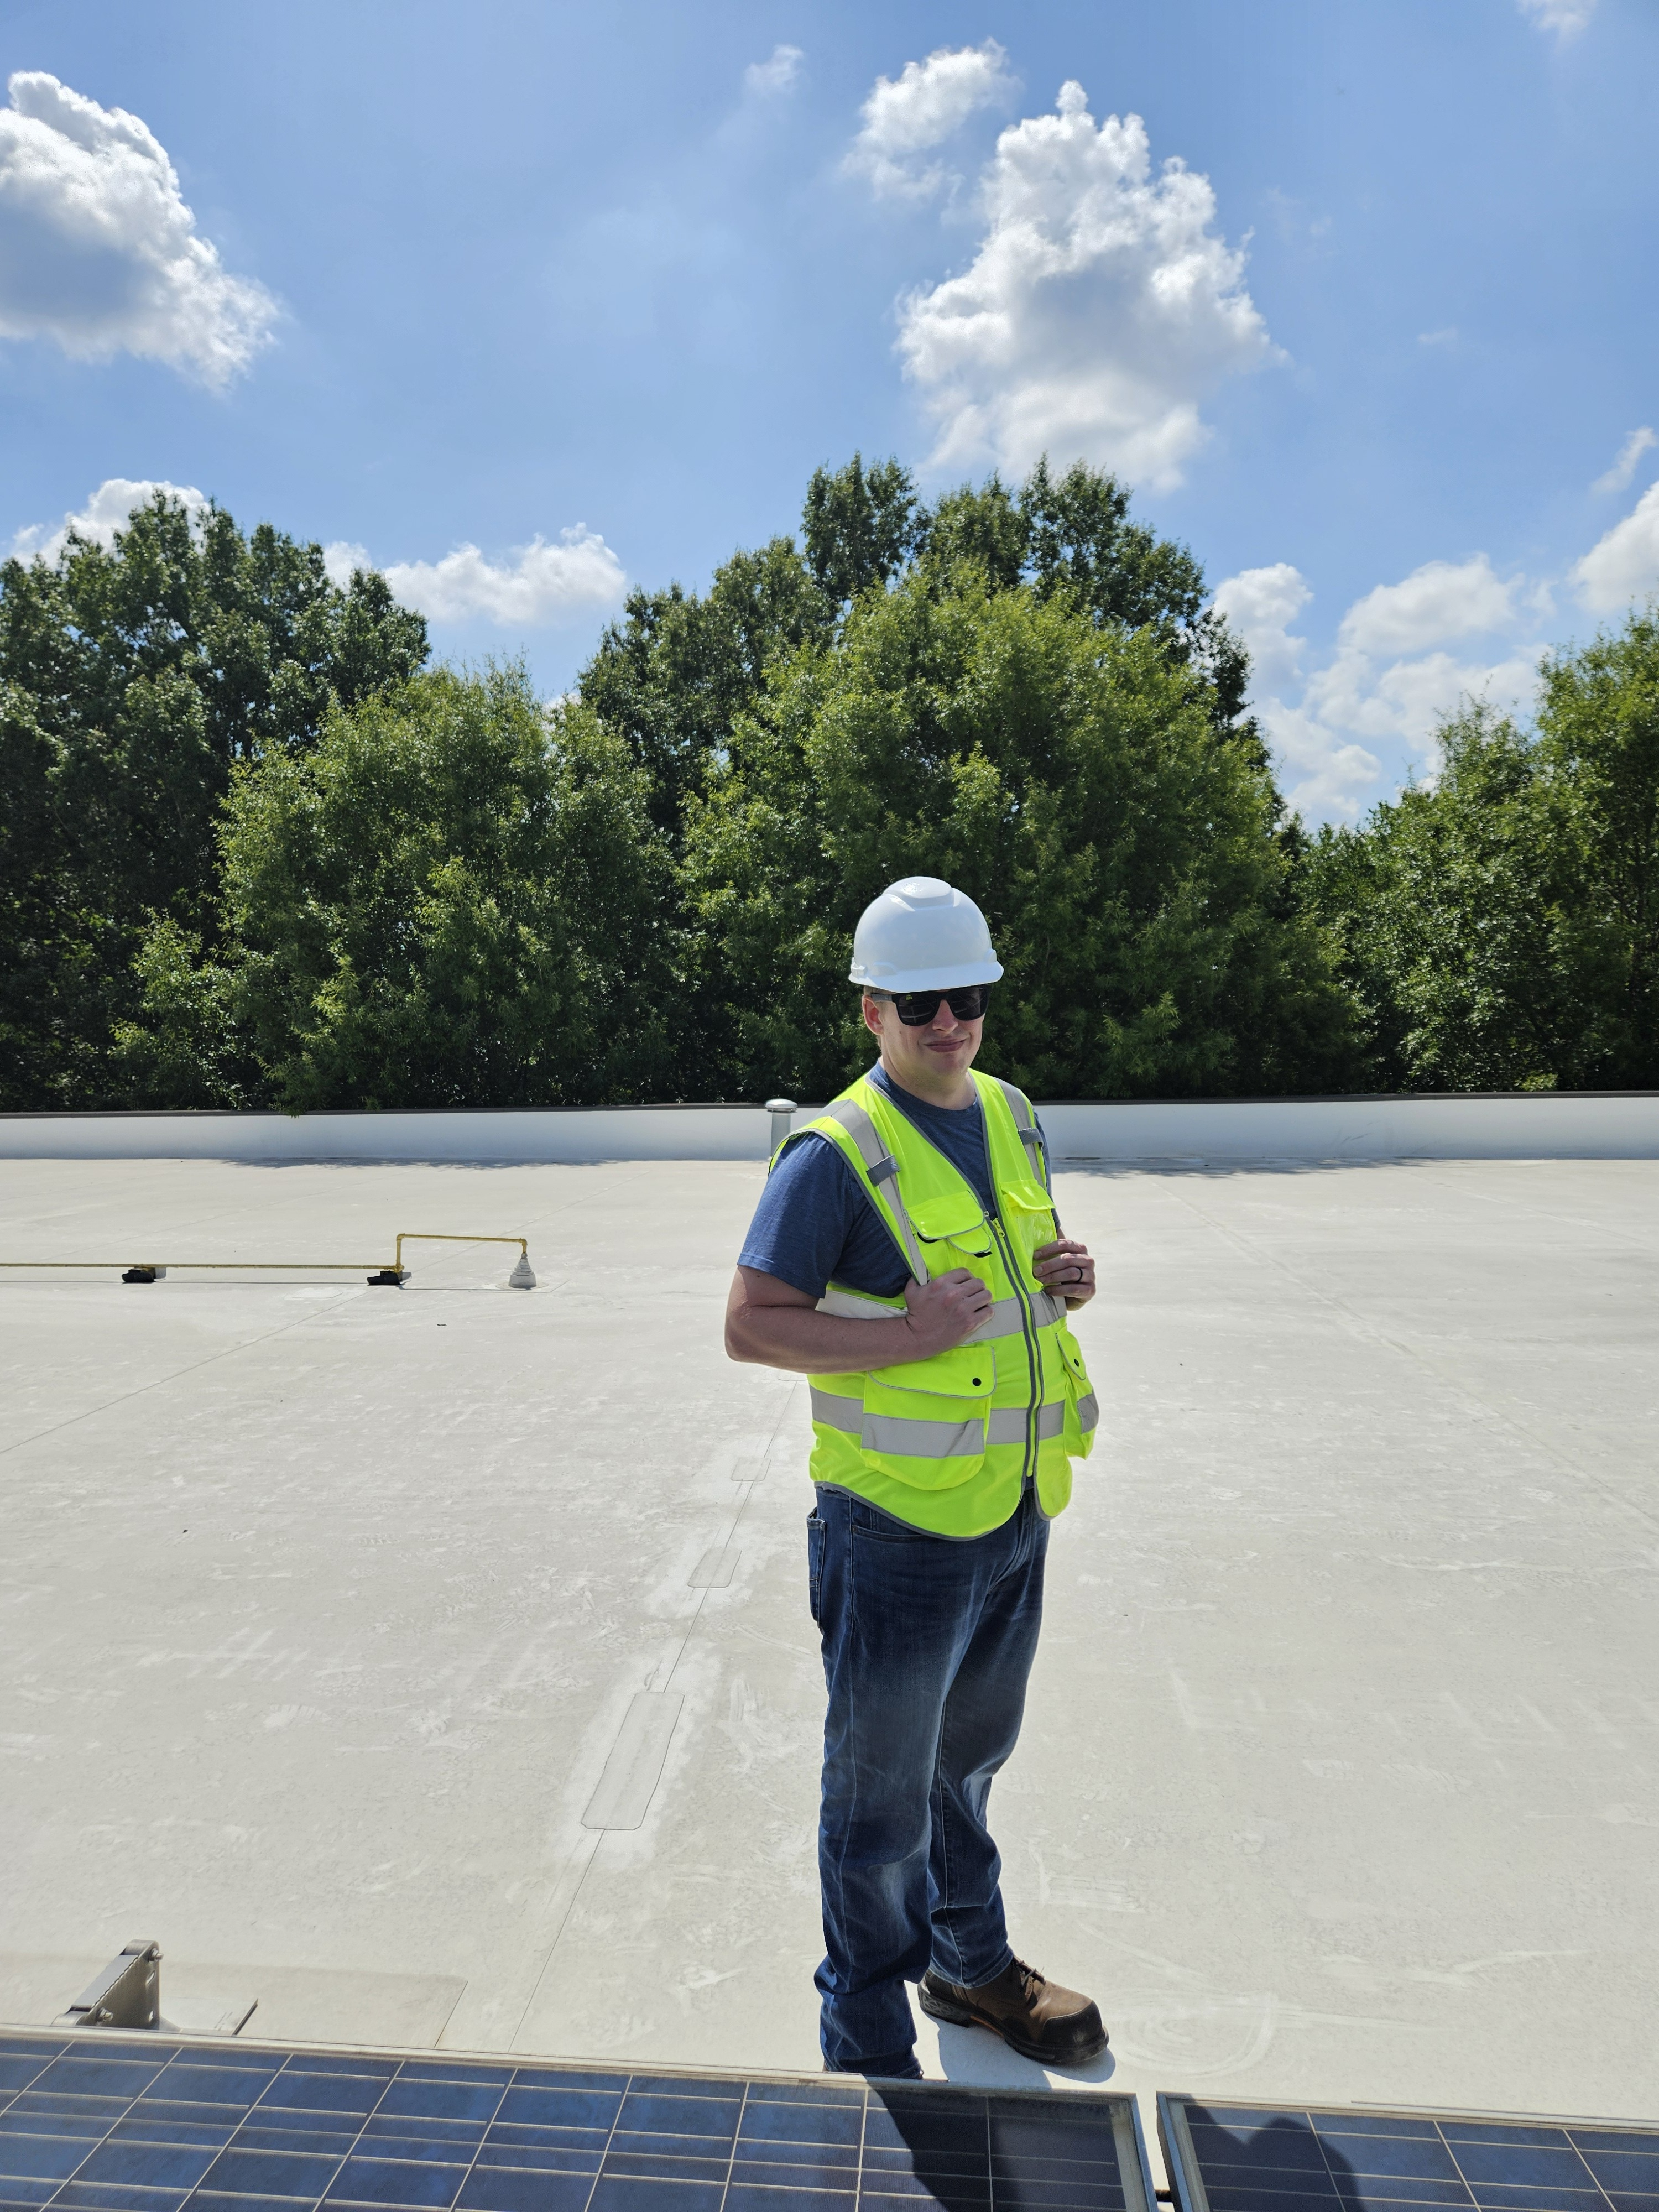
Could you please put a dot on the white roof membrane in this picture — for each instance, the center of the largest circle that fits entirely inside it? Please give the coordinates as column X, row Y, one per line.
column 434, row 1664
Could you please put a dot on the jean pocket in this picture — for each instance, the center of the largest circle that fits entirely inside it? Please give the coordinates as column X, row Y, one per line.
column 815, row 1532
column 867, row 1520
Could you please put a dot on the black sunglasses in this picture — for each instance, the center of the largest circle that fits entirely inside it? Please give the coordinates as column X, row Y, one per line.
column 916, row 1009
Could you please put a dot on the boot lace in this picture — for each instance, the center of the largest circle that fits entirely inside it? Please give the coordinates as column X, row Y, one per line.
column 1031, row 1983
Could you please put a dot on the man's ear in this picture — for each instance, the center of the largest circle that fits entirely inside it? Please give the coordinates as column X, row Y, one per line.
column 871, row 1011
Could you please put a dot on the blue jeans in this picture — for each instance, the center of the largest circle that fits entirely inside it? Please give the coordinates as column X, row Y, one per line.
column 927, row 1643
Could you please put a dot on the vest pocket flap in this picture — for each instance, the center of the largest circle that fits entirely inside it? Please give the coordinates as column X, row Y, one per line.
column 1062, row 1361
column 953, row 1214
column 929, row 1429
column 966, row 1370
column 1028, row 1195
column 1066, row 1378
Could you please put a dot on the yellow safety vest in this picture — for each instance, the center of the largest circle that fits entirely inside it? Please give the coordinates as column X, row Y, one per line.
column 947, row 1443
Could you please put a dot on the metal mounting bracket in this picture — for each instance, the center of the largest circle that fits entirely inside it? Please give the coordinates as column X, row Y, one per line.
column 127, row 1994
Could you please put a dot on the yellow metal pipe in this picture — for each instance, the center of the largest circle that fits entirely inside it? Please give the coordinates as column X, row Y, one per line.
column 429, row 1236
column 232, row 1267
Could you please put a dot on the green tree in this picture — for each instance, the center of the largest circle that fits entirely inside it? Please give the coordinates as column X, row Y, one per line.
column 1063, row 773
column 1501, row 929
column 1598, row 721
column 859, row 527
column 1071, row 537
column 1447, row 907
column 133, row 679
column 671, row 676
column 455, row 898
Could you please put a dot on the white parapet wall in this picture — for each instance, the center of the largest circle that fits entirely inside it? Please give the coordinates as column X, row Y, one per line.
column 1618, row 1125
column 1527, row 1125
column 482, row 1135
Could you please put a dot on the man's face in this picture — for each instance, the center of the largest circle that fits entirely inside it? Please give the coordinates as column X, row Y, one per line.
column 938, row 1053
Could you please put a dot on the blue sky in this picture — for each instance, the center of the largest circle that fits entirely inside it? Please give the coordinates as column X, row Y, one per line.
column 615, row 279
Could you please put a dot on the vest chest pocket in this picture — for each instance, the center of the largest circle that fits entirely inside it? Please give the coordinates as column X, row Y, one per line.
column 957, row 1222
column 925, row 1422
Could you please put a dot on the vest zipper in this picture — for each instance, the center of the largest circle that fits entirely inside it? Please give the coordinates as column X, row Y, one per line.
column 1029, row 1331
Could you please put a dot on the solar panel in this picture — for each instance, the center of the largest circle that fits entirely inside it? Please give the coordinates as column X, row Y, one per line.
column 154, row 2124
column 1268, row 2158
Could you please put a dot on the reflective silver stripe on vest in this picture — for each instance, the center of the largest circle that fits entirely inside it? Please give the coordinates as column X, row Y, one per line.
column 895, row 1433
column 1088, row 1411
column 907, row 1439
column 881, row 1168
column 1003, row 1320
column 1008, row 1427
column 834, row 1413
column 1020, row 1107
column 851, row 1307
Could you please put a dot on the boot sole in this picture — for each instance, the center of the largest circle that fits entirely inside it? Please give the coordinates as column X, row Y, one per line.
column 965, row 2016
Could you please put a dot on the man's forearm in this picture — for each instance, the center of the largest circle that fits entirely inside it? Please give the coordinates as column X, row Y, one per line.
column 809, row 1342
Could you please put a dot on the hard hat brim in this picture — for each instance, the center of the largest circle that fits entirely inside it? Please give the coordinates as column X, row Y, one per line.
column 873, row 977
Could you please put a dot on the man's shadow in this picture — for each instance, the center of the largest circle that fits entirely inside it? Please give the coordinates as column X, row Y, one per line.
column 1024, row 2155
column 976, row 2057
column 1020, row 2154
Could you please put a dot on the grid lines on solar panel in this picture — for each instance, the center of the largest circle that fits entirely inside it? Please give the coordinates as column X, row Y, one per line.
column 141, row 2123
column 1248, row 2158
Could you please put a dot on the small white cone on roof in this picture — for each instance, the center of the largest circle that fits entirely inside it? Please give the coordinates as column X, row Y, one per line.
column 922, row 935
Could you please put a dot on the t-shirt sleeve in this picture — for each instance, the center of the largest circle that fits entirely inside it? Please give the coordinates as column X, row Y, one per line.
column 814, row 1226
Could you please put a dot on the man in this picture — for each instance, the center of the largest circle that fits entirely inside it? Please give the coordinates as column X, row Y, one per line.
column 905, row 1255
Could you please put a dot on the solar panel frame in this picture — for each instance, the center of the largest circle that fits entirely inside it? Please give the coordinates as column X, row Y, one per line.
column 1415, row 2157
column 92, row 2120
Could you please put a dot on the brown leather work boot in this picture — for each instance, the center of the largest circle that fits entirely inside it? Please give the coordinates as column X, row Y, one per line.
column 1038, row 2018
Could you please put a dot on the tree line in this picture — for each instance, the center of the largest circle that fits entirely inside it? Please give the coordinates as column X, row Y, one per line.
column 258, row 851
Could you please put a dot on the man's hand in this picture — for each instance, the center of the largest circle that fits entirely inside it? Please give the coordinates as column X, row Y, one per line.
column 944, row 1312
column 1064, row 1269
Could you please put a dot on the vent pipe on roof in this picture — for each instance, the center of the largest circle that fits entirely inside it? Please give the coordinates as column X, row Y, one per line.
column 782, row 1112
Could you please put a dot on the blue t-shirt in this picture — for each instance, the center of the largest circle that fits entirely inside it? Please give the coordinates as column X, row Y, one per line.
column 815, row 1226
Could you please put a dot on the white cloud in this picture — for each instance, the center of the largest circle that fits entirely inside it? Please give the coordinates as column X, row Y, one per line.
column 1438, row 601
column 1099, row 311
column 541, row 585
column 107, row 511
column 1329, row 777
column 98, row 250
column 766, row 79
column 1566, row 18
column 1389, row 679
column 1407, row 700
column 1260, row 604
column 1328, row 773
column 908, row 116
column 1624, row 566
column 1618, row 476
column 1377, row 687
column 342, row 557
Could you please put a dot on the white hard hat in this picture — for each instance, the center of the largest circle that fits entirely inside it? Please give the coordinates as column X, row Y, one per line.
column 921, row 935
